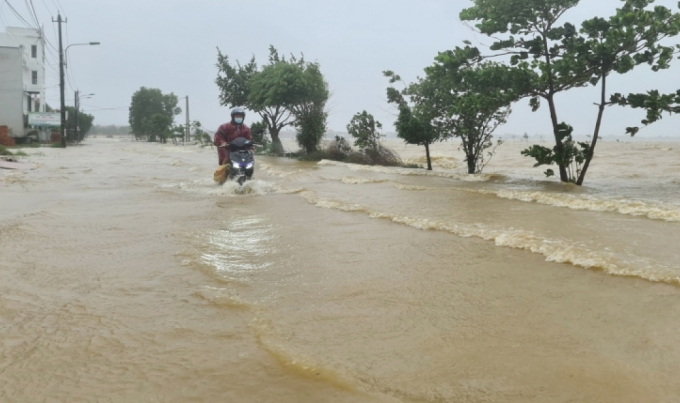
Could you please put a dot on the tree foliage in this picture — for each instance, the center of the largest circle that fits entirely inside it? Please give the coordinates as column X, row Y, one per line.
column 152, row 113
column 84, row 123
column 365, row 130
column 259, row 132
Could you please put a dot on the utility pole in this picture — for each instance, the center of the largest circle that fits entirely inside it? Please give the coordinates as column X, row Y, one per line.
column 77, row 105
column 61, row 83
column 187, row 134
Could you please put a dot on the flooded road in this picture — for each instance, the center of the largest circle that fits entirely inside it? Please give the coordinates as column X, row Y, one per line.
column 127, row 275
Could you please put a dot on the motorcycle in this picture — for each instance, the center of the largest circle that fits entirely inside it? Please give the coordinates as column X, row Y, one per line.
column 242, row 162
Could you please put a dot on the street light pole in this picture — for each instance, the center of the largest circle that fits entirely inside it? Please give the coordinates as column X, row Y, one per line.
column 77, row 44
column 187, row 135
column 76, row 102
column 62, row 65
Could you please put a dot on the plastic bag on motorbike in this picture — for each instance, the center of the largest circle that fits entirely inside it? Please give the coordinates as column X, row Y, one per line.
column 220, row 175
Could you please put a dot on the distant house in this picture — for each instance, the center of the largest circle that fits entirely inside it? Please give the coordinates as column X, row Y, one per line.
column 22, row 78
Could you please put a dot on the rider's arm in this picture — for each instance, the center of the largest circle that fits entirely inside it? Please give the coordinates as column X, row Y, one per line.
column 220, row 137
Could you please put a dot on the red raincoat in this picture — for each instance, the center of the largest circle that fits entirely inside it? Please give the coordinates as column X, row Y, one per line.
column 227, row 133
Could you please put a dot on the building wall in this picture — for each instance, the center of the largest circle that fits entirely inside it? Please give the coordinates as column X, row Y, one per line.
column 12, row 90
column 31, row 48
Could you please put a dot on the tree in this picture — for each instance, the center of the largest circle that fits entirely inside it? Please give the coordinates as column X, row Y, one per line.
column 459, row 97
column 84, row 122
column 365, row 130
column 310, row 121
column 152, row 113
column 562, row 58
column 628, row 39
column 298, row 87
column 259, row 132
column 200, row 135
column 470, row 99
column 158, row 127
column 273, row 92
column 414, row 123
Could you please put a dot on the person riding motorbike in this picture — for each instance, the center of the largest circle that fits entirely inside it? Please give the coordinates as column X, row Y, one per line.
column 228, row 132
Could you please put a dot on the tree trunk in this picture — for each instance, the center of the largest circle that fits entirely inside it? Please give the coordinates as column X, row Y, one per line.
column 471, row 165
column 276, row 141
column 553, row 111
column 591, row 152
column 427, row 154
column 558, row 144
column 471, row 157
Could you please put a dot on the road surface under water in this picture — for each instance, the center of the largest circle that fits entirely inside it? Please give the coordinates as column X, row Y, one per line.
column 127, row 275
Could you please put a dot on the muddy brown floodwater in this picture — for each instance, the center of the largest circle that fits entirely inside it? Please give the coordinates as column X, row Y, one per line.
column 126, row 275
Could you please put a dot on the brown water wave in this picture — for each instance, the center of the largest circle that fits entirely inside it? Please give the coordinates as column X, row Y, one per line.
column 650, row 209
column 554, row 250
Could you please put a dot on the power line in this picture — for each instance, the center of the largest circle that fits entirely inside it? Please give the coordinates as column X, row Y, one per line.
column 17, row 14
column 106, row 109
column 31, row 11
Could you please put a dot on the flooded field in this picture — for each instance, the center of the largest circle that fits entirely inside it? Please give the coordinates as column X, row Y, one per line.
column 127, row 275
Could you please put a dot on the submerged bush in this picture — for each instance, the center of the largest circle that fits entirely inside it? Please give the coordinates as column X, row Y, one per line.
column 340, row 150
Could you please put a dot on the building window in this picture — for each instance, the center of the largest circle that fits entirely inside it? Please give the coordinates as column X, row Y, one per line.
column 34, row 77
column 34, row 51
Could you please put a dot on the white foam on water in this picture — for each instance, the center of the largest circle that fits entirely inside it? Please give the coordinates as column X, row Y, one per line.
column 351, row 180
column 410, row 171
column 409, row 187
column 554, row 250
column 208, row 186
column 650, row 209
column 437, row 160
column 355, row 181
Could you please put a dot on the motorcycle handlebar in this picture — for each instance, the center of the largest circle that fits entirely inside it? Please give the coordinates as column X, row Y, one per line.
column 227, row 145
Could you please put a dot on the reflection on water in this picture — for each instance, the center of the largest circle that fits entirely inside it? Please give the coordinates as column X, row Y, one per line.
column 240, row 247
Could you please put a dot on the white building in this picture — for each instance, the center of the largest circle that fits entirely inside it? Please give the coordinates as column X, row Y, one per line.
column 22, row 78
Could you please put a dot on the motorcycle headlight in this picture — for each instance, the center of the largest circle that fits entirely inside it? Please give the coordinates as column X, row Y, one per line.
column 250, row 165
column 236, row 165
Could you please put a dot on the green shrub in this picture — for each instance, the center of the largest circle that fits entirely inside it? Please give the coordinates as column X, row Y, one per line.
column 340, row 150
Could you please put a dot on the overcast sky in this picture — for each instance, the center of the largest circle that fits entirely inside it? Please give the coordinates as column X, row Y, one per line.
column 171, row 45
